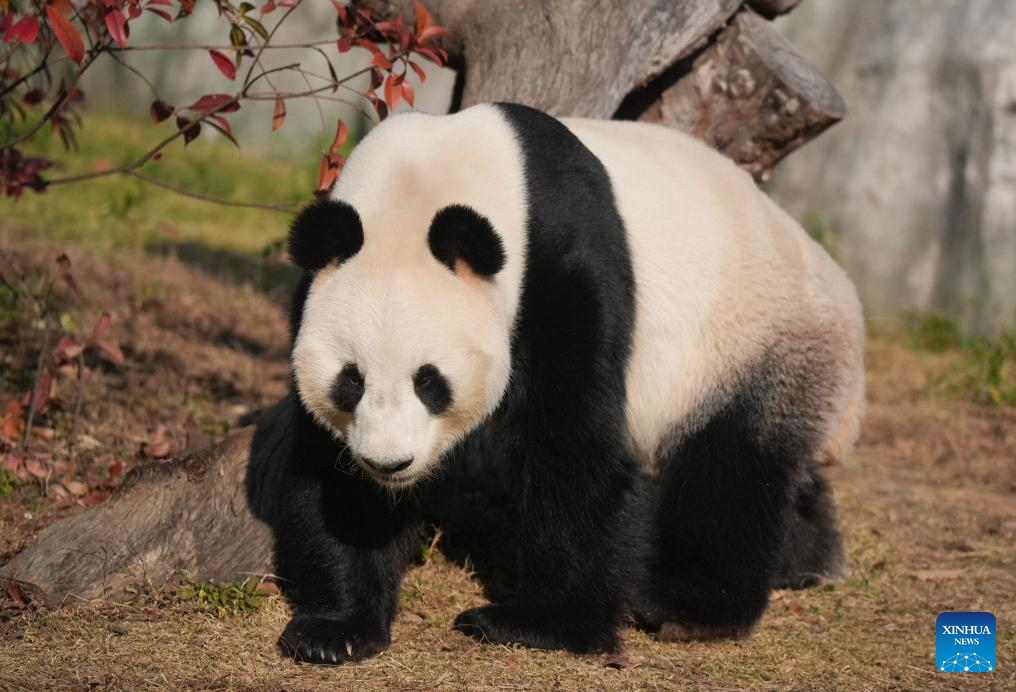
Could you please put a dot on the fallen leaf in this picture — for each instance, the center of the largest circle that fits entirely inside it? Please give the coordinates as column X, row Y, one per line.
column 17, row 595
column 937, row 574
column 36, row 469
column 76, row 488
column 268, row 587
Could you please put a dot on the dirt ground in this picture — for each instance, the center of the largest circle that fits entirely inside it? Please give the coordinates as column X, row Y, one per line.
column 927, row 505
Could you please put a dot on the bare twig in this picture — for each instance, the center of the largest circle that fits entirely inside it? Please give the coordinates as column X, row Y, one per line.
column 32, row 399
column 72, row 439
column 57, row 105
column 43, row 64
column 257, row 56
column 323, row 42
column 285, row 207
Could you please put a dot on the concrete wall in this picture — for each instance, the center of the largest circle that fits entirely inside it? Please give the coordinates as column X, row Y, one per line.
column 918, row 184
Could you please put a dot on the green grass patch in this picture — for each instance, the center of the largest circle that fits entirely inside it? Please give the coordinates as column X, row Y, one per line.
column 225, row 597
column 8, row 482
column 119, row 211
column 822, row 232
column 985, row 371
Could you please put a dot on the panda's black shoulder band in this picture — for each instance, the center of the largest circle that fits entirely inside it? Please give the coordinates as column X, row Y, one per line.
column 324, row 231
column 461, row 233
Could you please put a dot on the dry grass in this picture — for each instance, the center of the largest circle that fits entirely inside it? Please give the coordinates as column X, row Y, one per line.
column 927, row 505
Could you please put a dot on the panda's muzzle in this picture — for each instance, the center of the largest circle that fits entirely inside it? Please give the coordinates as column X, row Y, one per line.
column 387, row 467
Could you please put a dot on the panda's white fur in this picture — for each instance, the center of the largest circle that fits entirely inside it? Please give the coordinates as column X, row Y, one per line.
column 392, row 307
column 721, row 274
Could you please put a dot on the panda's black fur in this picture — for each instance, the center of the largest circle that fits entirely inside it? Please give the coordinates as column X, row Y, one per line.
column 546, row 494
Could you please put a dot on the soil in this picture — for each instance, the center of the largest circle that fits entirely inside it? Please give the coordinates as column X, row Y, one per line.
column 927, row 504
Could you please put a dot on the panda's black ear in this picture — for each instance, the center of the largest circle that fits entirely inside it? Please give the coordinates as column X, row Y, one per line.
column 460, row 233
column 325, row 231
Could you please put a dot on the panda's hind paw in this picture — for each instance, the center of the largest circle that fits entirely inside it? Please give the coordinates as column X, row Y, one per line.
column 330, row 641
column 538, row 627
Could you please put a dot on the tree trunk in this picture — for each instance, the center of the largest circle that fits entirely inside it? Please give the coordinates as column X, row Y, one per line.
column 741, row 89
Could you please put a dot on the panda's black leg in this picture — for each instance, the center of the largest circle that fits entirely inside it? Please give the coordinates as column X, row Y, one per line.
column 725, row 495
column 812, row 547
column 574, row 560
column 341, row 546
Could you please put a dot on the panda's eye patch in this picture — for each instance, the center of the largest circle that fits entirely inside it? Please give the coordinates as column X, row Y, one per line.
column 432, row 389
column 348, row 388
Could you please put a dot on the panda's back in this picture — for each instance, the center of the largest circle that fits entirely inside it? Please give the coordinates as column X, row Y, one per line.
column 722, row 274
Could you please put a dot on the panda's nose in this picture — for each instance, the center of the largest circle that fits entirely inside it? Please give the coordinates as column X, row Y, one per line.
column 388, row 466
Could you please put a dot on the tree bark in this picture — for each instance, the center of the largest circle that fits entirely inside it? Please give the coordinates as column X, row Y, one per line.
column 567, row 57
column 751, row 96
column 742, row 89
column 188, row 515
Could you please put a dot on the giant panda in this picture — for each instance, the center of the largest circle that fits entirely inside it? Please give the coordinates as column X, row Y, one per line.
column 608, row 317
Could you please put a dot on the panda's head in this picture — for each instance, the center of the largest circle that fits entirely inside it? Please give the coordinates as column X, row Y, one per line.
column 403, row 346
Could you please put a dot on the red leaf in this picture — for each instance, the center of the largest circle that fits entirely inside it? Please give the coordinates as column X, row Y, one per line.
column 223, row 103
column 279, row 116
column 116, row 470
column 93, row 498
column 224, row 64
column 190, row 130
column 268, row 587
column 381, row 60
column 328, row 171
column 38, row 471
column 222, row 125
column 431, row 33
column 407, row 93
column 423, row 17
column 69, row 348
column 110, row 349
column 116, row 24
column 160, row 110
column 66, row 34
column 392, row 92
column 430, row 53
column 17, row 595
column 159, row 446
column 25, row 30
column 344, row 45
column 341, row 133
column 101, row 325
column 418, row 70
column 45, row 389
column 162, row 13
column 11, row 463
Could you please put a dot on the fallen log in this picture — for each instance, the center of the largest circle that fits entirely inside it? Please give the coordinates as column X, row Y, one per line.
column 188, row 515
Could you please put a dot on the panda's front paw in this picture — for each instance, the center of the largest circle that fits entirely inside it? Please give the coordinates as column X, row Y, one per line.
column 322, row 639
column 538, row 627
